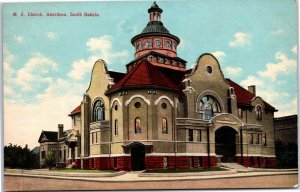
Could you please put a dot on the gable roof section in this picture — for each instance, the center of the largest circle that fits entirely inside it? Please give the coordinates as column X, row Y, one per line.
column 144, row 75
column 175, row 76
column 244, row 97
column 51, row 136
column 76, row 110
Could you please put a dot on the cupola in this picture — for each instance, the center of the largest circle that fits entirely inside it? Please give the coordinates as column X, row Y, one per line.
column 155, row 37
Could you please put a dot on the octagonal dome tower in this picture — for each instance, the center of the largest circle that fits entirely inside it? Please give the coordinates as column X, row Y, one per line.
column 155, row 37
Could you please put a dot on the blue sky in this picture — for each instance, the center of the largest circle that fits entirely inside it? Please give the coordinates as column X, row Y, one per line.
column 48, row 60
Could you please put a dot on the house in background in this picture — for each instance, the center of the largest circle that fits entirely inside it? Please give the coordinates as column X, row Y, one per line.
column 160, row 115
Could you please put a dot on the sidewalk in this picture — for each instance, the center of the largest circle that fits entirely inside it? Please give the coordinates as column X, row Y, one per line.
column 138, row 175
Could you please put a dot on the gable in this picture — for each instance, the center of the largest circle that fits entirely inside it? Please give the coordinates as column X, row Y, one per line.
column 208, row 68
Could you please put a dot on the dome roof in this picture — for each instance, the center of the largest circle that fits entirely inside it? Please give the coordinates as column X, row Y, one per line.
column 155, row 27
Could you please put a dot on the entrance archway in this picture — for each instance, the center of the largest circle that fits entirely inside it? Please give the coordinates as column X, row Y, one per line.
column 138, row 157
column 225, row 143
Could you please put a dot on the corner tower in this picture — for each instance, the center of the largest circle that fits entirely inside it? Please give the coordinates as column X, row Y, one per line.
column 156, row 40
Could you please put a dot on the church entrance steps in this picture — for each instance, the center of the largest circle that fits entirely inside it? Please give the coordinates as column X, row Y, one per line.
column 235, row 166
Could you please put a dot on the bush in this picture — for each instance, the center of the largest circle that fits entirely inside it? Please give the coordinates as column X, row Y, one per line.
column 50, row 159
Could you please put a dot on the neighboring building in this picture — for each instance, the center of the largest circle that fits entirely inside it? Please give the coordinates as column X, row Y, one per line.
column 286, row 129
column 161, row 115
column 61, row 142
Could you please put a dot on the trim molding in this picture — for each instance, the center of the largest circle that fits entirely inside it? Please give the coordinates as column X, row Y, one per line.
column 135, row 96
column 115, row 99
column 164, row 97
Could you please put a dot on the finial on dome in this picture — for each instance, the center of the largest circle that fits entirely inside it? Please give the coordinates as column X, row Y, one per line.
column 155, row 8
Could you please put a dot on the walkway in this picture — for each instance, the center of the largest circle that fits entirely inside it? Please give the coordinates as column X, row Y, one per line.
column 136, row 175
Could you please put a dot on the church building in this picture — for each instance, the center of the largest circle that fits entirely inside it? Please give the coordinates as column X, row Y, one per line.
column 161, row 115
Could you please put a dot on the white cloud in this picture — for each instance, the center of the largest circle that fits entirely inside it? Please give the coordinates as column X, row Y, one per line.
column 219, row 54
column 251, row 80
column 284, row 65
column 240, row 39
column 19, row 38
column 233, row 71
column 48, row 109
column 295, row 49
column 272, row 91
column 82, row 67
column 51, row 35
column 7, row 59
column 278, row 32
column 100, row 48
column 287, row 108
column 35, row 71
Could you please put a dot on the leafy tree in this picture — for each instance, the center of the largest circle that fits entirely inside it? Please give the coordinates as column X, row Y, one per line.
column 17, row 157
column 50, row 159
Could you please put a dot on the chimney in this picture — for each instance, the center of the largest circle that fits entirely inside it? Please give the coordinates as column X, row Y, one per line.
column 252, row 89
column 60, row 130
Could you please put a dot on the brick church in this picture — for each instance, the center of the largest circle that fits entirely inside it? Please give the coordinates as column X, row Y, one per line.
column 161, row 115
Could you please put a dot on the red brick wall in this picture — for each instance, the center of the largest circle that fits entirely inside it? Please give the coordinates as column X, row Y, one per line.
column 124, row 163
column 69, row 162
column 262, row 162
column 77, row 164
column 91, row 163
column 154, row 163
column 85, row 164
column 104, row 163
column 255, row 163
column 195, row 165
column 97, row 163
column 182, row 162
column 213, row 162
column 171, row 162
column 271, row 162
column 246, row 161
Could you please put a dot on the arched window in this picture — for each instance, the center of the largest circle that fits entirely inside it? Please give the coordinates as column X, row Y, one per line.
column 208, row 106
column 148, row 44
column 168, row 44
column 164, row 126
column 258, row 111
column 116, row 127
column 98, row 111
column 137, row 126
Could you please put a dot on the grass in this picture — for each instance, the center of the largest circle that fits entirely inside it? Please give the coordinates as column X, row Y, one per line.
column 184, row 170
column 82, row 171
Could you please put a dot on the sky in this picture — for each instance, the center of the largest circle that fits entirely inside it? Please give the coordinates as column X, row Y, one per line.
column 47, row 61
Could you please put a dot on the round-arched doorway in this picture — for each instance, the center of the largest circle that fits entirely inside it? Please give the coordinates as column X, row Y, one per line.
column 225, row 143
column 137, row 157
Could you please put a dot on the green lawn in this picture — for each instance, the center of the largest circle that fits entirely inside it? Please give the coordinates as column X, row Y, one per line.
column 184, row 170
column 82, row 171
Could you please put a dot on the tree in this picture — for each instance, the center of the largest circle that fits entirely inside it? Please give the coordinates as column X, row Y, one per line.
column 50, row 159
column 17, row 157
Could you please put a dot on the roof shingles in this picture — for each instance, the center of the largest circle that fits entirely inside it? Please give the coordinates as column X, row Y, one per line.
column 144, row 75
